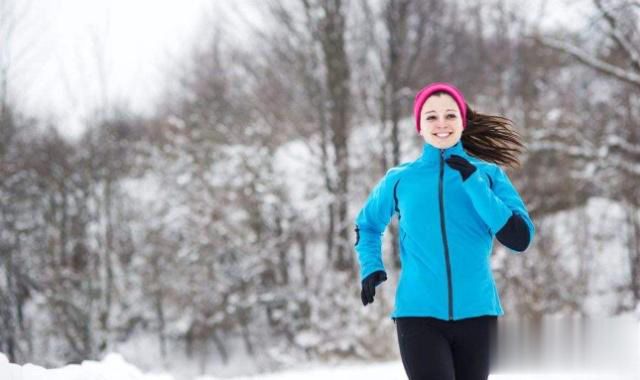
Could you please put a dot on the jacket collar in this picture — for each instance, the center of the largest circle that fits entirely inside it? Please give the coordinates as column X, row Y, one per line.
column 431, row 155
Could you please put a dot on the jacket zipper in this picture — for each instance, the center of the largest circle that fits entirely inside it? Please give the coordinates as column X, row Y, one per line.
column 444, row 234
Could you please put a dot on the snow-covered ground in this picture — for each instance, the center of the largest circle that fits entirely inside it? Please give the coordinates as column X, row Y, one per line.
column 114, row 367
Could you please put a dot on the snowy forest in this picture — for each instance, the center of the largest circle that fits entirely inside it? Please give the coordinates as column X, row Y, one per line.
column 220, row 229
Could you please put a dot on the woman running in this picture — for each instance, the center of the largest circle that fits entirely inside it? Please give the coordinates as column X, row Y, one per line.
column 451, row 202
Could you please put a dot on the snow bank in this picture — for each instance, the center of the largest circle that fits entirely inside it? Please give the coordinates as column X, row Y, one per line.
column 112, row 367
column 390, row 370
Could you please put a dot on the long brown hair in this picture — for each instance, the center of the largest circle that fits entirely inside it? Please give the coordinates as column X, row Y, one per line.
column 492, row 138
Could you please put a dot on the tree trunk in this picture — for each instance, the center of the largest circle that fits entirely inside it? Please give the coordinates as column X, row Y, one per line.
column 302, row 246
column 634, row 253
column 246, row 337
column 220, row 346
column 332, row 39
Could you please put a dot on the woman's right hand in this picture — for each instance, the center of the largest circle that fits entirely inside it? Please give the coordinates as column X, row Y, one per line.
column 369, row 286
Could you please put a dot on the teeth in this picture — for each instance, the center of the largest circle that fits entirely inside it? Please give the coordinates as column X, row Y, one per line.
column 443, row 134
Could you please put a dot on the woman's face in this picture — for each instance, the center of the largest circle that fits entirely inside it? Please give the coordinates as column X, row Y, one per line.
column 440, row 121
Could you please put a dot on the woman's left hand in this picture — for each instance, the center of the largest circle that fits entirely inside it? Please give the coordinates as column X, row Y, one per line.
column 461, row 164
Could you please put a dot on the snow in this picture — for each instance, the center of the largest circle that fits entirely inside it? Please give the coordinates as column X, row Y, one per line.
column 114, row 367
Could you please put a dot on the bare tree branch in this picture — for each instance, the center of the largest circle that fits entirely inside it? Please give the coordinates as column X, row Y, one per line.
column 423, row 15
column 598, row 64
column 619, row 37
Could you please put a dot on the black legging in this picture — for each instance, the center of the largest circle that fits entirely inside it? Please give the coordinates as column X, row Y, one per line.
column 435, row 349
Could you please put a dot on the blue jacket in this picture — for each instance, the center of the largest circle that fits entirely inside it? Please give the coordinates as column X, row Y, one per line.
column 446, row 231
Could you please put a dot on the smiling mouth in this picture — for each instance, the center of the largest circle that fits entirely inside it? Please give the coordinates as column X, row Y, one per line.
column 443, row 135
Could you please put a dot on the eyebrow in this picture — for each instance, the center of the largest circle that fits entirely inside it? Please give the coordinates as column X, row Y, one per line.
column 446, row 110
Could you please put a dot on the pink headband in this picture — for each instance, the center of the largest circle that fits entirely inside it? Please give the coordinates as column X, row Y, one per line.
column 427, row 91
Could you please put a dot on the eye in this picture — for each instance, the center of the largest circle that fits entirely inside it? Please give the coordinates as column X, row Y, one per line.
column 451, row 116
column 430, row 117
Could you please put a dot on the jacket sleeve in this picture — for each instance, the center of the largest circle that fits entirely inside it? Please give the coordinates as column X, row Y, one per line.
column 501, row 208
column 370, row 224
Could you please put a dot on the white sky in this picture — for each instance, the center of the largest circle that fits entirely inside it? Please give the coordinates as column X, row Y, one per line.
column 55, row 69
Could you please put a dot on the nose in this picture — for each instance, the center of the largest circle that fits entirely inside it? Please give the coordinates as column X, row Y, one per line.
column 439, row 123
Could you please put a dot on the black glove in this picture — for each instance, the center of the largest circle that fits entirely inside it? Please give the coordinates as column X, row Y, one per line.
column 369, row 286
column 462, row 165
